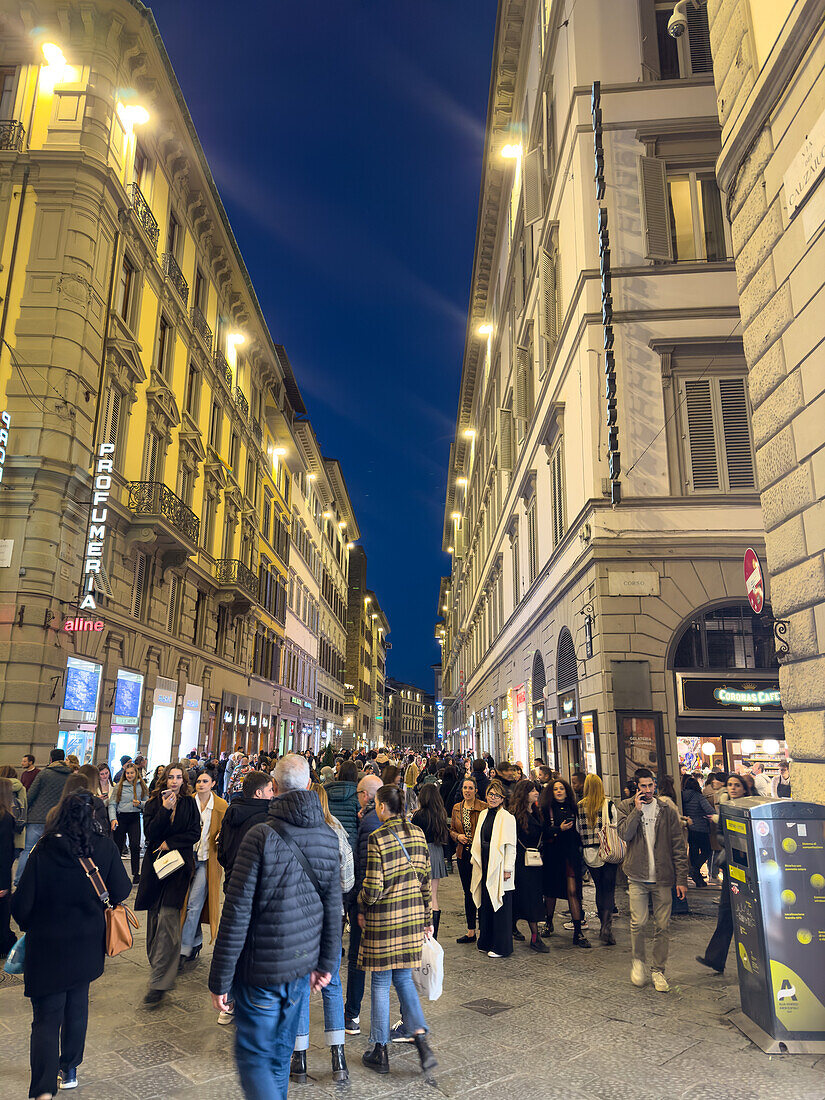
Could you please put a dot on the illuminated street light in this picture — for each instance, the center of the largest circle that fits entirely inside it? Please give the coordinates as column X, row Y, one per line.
column 456, row 516
column 469, row 433
column 235, row 338
column 132, row 115
column 512, row 152
column 279, row 452
column 55, row 71
column 485, row 330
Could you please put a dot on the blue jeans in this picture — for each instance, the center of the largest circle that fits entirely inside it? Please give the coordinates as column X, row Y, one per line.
column 33, row 834
column 333, row 997
column 266, row 1023
column 411, row 1012
column 191, row 935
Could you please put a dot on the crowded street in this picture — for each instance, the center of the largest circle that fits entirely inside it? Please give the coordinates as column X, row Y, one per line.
column 567, row 1024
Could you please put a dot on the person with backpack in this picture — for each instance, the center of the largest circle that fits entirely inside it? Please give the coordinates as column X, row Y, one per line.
column 597, row 812
column 19, row 807
column 43, row 795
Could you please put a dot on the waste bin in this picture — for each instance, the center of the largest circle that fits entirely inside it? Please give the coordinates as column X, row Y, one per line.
column 776, row 862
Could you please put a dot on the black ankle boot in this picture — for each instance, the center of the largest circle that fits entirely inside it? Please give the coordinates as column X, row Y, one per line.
column 428, row 1059
column 579, row 938
column 298, row 1067
column 377, row 1058
column 436, row 922
column 340, row 1073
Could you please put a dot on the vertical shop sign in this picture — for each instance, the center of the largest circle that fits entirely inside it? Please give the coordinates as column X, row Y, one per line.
column 98, row 518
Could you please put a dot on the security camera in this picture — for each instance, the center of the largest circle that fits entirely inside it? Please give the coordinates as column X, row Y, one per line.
column 677, row 24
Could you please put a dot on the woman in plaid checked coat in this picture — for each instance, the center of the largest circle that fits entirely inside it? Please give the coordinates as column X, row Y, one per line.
column 395, row 915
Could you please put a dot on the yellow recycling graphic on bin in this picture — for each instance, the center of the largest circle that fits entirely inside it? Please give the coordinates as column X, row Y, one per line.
column 797, row 1007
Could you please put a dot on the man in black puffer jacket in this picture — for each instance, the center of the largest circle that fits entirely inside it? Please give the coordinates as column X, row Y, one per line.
column 248, row 810
column 280, row 934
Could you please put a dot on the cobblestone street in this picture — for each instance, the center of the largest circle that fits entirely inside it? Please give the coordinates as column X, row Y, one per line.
column 563, row 1026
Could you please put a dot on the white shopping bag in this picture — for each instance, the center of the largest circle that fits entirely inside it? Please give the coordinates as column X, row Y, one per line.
column 429, row 980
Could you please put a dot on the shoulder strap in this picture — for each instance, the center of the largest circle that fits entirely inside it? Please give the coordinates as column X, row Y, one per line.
column 404, row 850
column 277, row 827
column 94, row 876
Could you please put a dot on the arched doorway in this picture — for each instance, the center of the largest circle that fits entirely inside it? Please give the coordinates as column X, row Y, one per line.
column 728, row 706
column 568, row 727
column 541, row 739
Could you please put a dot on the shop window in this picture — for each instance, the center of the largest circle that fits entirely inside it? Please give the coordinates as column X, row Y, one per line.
column 715, row 426
column 728, row 637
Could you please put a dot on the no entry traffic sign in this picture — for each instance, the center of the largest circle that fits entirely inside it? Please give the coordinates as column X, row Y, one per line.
column 754, row 581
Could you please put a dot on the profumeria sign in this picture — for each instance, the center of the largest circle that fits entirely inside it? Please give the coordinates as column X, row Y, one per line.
column 5, row 424
column 98, row 519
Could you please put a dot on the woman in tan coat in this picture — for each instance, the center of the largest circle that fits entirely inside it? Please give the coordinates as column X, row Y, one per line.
column 203, row 904
column 494, row 860
column 463, row 830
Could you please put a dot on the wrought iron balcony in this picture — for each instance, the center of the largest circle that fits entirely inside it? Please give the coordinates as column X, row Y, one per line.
column 200, row 326
column 241, row 401
column 222, row 367
column 234, row 574
column 153, row 498
column 140, row 208
column 11, row 136
column 257, row 432
column 175, row 276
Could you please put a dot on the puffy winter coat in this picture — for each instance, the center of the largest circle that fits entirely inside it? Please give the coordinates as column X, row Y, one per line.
column 367, row 824
column 275, row 926
column 45, row 791
column 343, row 804
column 242, row 814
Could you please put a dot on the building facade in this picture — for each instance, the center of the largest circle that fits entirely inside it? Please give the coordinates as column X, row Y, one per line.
column 602, row 485
column 366, row 657
column 405, row 705
column 150, row 437
column 768, row 60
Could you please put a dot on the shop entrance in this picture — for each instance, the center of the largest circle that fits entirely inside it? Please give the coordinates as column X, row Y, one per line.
column 729, row 710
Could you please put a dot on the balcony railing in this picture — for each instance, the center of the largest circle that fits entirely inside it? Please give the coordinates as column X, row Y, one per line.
column 153, row 498
column 222, row 367
column 11, row 136
column 241, row 401
column 257, row 432
column 230, row 571
column 175, row 276
column 143, row 214
column 200, row 326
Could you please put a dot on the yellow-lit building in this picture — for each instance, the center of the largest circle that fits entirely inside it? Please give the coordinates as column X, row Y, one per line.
column 144, row 610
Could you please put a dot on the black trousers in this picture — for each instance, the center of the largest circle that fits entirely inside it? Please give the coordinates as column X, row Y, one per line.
column 465, row 873
column 495, row 927
column 356, row 979
column 716, row 952
column 129, row 825
column 699, row 850
column 58, row 1036
column 604, row 879
column 7, row 937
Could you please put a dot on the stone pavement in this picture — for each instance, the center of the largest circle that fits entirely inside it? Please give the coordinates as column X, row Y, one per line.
column 563, row 1026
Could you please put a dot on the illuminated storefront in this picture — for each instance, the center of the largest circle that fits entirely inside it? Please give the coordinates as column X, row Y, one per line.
column 125, row 736
column 78, row 715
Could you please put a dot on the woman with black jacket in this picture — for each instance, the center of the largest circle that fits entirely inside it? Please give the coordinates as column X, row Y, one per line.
column 171, row 822
column 431, row 819
column 699, row 813
column 65, row 925
column 527, row 896
column 561, row 855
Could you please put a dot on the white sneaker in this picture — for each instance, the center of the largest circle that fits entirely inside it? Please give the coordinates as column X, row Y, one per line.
column 660, row 983
column 227, row 1017
column 638, row 972
column 493, row 955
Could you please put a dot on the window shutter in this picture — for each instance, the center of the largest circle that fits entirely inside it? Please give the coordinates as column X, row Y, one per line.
column 557, row 495
column 138, row 585
column 655, row 209
column 533, row 190
column 547, row 132
column 172, row 606
column 102, row 582
column 701, row 436
column 699, row 39
column 522, row 393
column 505, row 439
column 736, row 433
column 518, row 292
column 111, row 416
column 549, row 299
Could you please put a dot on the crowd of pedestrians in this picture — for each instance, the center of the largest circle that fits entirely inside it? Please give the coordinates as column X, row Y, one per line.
column 295, row 862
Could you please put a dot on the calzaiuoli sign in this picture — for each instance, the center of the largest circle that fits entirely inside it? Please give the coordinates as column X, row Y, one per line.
column 98, row 519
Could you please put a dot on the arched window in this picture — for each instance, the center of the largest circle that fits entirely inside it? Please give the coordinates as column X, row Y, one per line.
column 539, row 677
column 727, row 637
column 566, row 672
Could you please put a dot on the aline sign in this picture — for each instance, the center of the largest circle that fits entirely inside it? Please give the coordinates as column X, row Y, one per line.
column 98, row 518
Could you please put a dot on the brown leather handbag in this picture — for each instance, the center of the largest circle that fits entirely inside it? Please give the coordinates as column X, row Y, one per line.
column 120, row 919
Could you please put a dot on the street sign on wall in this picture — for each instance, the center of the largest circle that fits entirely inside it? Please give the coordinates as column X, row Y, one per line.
column 754, row 581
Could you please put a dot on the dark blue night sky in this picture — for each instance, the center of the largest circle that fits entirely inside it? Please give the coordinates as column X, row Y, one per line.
column 346, row 139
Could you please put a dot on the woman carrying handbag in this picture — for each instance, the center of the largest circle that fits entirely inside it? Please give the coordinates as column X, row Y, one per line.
column 172, row 825
column 65, row 926
column 597, row 813
column 528, row 901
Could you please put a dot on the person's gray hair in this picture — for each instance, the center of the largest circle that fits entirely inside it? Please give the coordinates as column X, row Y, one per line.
column 291, row 773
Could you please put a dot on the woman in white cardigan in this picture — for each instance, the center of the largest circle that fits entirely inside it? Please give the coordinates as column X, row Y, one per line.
column 494, row 860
